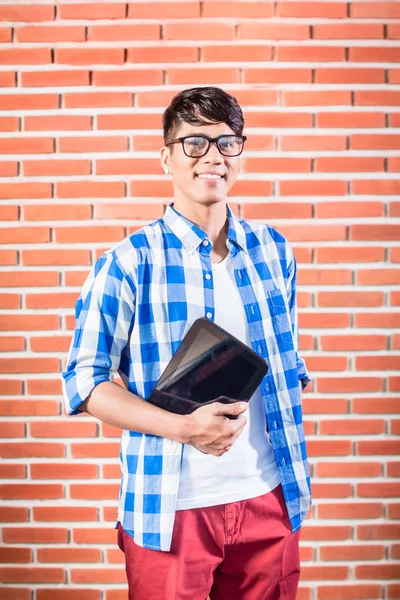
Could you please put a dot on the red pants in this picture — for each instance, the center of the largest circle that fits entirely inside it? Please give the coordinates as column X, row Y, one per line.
column 238, row 551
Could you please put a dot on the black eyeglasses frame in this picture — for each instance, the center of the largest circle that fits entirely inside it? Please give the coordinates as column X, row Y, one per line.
column 210, row 141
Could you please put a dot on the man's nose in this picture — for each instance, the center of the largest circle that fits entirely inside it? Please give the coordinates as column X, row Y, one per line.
column 213, row 153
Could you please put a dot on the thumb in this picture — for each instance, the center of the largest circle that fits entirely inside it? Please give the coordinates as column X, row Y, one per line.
column 233, row 408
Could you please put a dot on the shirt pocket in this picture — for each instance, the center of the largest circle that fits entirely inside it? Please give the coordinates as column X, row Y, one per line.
column 280, row 317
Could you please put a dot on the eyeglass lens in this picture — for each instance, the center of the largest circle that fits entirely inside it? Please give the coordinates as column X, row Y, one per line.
column 227, row 145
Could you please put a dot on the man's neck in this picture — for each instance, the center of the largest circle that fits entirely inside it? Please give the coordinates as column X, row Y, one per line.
column 211, row 219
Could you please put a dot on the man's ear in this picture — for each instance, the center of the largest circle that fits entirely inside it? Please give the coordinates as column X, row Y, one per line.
column 164, row 159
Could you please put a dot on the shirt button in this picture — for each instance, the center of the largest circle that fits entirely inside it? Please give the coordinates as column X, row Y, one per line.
column 209, row 315
column 207, row 276
column 283, row 461
column 259, row 348
column 276, row 424
column 205, row 242
column 240, row 274
column 267, row 388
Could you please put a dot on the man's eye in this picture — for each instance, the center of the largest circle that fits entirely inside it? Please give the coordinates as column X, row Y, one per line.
column 196, row 141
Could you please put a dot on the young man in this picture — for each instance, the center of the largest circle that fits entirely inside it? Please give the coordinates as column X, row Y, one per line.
column 208, row 505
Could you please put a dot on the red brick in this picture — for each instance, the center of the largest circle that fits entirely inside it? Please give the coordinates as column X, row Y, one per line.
column 352, row 427
column 29, row 449
column 56, row 167
column 352, row 552
column 56, row 257
column 29, row 491
column 93, row 10
column 53, row 79
column 24, row 235
column 15, row 555
column 273, row 31
column 312, row 188
column 350, row 298
column 99, row 491
column 63, row 471
column 342, row 75
column 66, row 555
column 315, row 142
column 35, row 535
column 377, row 363
column 329, row 448
column 374, row 142
column 354, row 120
column 338, row 254
column 393, row 32
column 329, row 10
column 8, row 257
column 50, row 514
column 54, row 300
column 9, row 212
column 88, row 56
column 353, row 342
column 378, row 277
column 379, row 571
column 125, row 77
column 10, row 300
column 376, row 405
column 95, row 450
column 323, row 98
column 378, row 447
column 93, row 144
column 98, row 575
column 198, row 30
column 276, row 210
column 12, row 343
column 350, row 209
column 9, row 191
column 65, row 594
column 374, row 54
column 323, row 320
column 372, row 98
column 9, row 514
column 31, row 575
column 97, row 99
column 173, row 10
column 333, row 164
column 260, row 75
column 349, row 384
column 325, row 406
column 375, row 9
column 312, row 54
column 354, row 510
column 237, row 53
column 377, row 320
column 276, row 165
column 11, row 471
column 165, row 54
column 22, row 56
column 57, row 123
column 30, row 279
column 322, row 572
column 281, row 120
column 129, row 211
column 90, row 189
column 111, row 233
column 44, row 386
column 340, row 31
column 27, row 12
column 62, row 428
column 331, row 490
column 26, row 145
column 350, row 592
column 372, row 232
column 33, row 33
column 29, row 101
column 50, row 343
column 117, row 33
column 347, row 469
column 7, row 79
column 19, row 407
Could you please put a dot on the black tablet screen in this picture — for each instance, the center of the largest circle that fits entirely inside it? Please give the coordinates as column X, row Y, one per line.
column 209, row 368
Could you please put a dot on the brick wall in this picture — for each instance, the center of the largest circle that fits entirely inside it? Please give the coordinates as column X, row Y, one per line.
column 83, row 87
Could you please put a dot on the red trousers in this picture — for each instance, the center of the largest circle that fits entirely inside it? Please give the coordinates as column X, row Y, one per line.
column 238, row 551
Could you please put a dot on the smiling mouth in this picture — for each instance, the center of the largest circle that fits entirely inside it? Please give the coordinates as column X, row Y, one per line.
column 210, row 177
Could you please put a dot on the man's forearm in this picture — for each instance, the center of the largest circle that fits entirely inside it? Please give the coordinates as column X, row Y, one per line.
column 114, row 405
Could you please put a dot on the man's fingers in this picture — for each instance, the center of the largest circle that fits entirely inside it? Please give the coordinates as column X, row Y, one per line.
column 233, row 408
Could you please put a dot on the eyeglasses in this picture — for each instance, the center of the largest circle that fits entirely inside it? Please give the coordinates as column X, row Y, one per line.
column 195, row 146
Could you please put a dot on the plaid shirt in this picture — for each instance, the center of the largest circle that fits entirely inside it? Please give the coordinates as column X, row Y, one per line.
column 134, row 310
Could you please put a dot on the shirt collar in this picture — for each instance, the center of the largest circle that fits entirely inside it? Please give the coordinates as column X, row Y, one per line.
column 191, row 235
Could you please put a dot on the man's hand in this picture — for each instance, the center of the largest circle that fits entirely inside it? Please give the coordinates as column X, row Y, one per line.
column 214, row 428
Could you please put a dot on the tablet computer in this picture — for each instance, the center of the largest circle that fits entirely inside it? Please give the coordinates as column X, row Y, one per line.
column 209, row 362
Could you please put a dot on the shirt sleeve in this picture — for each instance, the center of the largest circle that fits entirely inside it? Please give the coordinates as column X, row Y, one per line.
column 104, row 318
column 302, row 372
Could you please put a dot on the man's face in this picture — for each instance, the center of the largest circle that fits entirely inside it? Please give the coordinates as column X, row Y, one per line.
column 188, row 174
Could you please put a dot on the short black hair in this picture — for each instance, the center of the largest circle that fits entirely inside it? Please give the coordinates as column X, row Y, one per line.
column 200, row 106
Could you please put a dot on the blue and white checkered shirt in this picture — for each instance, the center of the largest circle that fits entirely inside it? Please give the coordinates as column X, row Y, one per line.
column 134, row 310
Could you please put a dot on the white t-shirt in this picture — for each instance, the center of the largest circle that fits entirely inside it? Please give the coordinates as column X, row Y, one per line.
column 248, row 469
